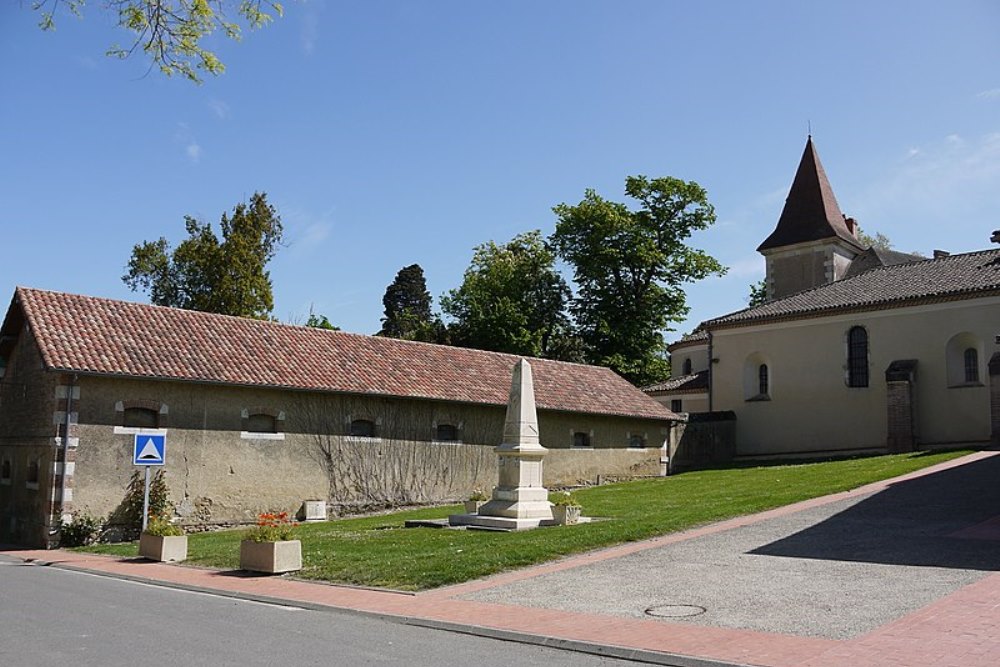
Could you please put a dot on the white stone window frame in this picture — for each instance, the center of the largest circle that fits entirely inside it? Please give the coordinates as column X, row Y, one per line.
column 279, row 424
column 350, row 419
column 459, row 430
column 162, row 412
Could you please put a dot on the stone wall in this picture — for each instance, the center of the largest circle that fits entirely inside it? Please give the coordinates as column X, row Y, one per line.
column 217, row 472
column 30, row 423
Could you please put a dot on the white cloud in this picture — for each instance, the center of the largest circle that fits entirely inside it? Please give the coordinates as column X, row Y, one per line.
column 306, row 231
column 185, row 137
column 942, row 193
column 193, row 151
column 991, row 94
column 309, row 31
column 86, row 62
column 750, row 266
column 219, row 108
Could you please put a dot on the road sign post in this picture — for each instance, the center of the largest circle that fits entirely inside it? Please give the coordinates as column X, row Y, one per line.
column 148, row 450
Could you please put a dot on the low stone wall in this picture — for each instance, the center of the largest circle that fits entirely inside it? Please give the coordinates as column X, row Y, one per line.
column 707, row 438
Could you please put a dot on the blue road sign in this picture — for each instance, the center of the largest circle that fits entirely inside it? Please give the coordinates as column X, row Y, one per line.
column 149, row 449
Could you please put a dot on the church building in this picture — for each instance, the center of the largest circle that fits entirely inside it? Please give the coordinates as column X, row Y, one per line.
column 855, row 348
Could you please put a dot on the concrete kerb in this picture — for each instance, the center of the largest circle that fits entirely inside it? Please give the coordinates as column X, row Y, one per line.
column 577, row 646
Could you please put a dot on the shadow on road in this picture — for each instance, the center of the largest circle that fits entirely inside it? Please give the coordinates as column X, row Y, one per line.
column 913, row 522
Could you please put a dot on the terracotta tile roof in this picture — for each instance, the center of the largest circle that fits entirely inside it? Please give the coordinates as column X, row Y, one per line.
column 811, row 211
column 684, row 384
column 962, row 276
column 697, row 337
column 105, row 337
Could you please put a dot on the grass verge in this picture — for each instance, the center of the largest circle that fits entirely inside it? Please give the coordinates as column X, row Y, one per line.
column 378, row 551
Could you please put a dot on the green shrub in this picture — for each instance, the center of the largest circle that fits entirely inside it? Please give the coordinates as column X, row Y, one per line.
column 82, row 530
column 127, row 517
column 159, row 526
column 565, row 499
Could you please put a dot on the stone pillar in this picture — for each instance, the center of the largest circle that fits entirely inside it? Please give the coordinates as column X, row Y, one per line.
column 900, row 380
column 519, row 493
column 994, row 367
column 519, row 500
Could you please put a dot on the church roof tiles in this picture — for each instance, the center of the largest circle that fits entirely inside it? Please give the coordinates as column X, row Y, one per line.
column 811, row 212
column 952, row 277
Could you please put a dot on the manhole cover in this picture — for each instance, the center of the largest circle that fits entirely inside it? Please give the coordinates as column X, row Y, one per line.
column 675, row 610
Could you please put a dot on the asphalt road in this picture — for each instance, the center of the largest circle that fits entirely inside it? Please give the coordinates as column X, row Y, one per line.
column 52, row 617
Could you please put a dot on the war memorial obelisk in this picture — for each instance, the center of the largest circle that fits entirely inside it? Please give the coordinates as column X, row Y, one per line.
column 519, row 500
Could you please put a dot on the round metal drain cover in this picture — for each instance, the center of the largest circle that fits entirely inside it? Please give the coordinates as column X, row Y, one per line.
column 675, row 610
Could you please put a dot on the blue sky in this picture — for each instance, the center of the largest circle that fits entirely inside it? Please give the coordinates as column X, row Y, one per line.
column 396, row 132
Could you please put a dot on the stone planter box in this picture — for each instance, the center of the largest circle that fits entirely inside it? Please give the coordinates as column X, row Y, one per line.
column 565, row 515
column 172, row 548
column 472, row 506
column 271, row 557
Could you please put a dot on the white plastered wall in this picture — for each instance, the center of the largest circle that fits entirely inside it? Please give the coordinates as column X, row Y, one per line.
column 811, row 406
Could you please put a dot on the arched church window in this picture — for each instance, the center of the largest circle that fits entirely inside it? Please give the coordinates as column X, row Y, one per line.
column 971, row 365
column 762, row 380
column 857, row 357
column 687, row 366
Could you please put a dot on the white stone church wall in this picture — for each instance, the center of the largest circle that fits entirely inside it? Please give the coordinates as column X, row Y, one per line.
column 812, row 409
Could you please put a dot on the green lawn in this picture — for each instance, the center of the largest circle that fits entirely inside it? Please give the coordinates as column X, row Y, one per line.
column 378, row 551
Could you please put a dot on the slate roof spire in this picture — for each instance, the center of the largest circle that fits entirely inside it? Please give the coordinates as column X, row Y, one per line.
column 811, row 212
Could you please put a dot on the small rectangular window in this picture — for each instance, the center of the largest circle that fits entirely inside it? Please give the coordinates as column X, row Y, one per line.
column 636, row 441
column 676, row 405
column 141, row 418
column 446, row 433
column 261, row 423
column 31, row 478
column 363, row 428
column 6, row 471
column 581, row 439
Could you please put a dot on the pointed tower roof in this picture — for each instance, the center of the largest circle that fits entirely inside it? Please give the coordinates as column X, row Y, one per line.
column 811, row 212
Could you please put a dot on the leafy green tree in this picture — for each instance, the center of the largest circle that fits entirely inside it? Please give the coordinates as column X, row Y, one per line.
column 171, row 32
column 880, row 240
column 202, row 273
column 407, row 305
column 758, row 293
column 630, row 265
column 320, row 322
column 511, row 299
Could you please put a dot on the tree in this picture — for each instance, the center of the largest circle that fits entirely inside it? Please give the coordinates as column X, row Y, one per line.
column 204, row 274
column 407, row 306
column 758, row 293
column 319, row 321
column 511, row 299
column 630, row 266
column 880, row 240
column 170, row 32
